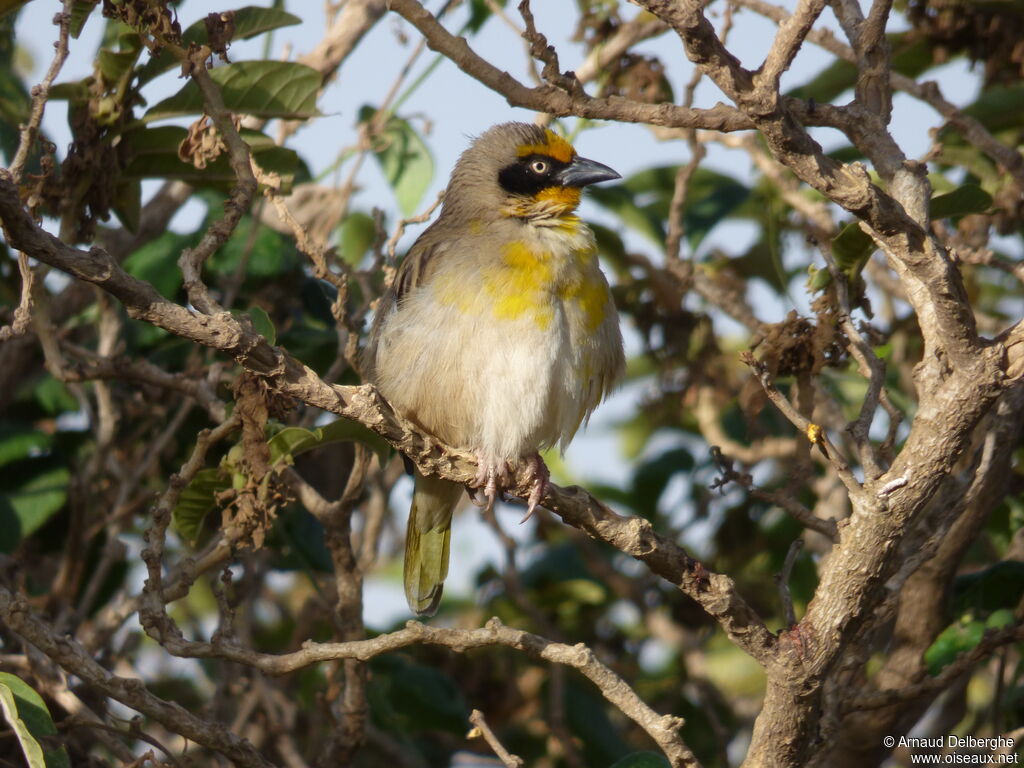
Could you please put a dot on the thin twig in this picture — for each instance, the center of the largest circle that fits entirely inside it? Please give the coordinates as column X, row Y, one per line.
column 22, row 319
column 993, row 640
column 134, row 732
column 814, row 433
column 93, row 366
column 481, row 728
column 970, row 128
column 674, row 234
column 72, row 657
column 798, row 511
column 400, row 227
column 546, row 54
column 662, row 728
column 282, row 372
column 41, row 93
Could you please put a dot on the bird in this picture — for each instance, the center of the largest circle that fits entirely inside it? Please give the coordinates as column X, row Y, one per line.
column 499, row 334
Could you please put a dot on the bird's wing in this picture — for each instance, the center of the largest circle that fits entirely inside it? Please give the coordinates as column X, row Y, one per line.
column 415, row 268
column 417, row 265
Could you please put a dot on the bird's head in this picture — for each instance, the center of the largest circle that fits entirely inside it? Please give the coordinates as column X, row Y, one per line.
column 523, row 171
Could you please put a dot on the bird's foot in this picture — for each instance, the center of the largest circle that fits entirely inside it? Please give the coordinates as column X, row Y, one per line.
column 540, row 477
column 491, row 479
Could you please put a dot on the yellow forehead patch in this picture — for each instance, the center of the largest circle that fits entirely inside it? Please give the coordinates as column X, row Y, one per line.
column 554, row 146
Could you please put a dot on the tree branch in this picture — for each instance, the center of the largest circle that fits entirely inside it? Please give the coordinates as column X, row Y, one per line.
column 71, row 656
column 41, row 92
column 992, row 640
column 235, row 336
column 481, row 728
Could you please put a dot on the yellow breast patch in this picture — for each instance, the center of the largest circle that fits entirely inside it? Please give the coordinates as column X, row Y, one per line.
column 591, row 295
column 526, row 283
column 518, row 286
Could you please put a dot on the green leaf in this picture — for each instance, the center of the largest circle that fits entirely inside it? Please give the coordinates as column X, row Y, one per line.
column 852, row 248
column 346, row 430
column 1001, row 619
column 249, row 22
column 619, row 200
column 611, row 247
column 9, row 6
column 970, row 159
column 156, row 262
column 479, row 13
column 570, row 594
column 259, row 88
column 642, row 760
column 642, row 201
column 80, row 12
column 970, row 198
column 712, row 197
column 29, row 746
column 114, row 65
column 37, row 499
column 556, row 564
column 196, row 501
column 34, row 715
column 586, row 715
column 53, row 397
column 20, row 443
column 75, row 91
column 14, row 98
column 818, row 279
column 356, row 235
column 416, row 697
column 827, row 84
column 263, row 324
column 761, row 262
column 405, row 160
column 266, row 253
column 999, row 108
column 153, row 153
column 910, row 57
column 127, row 203
column 303, row 542
column 955, row 639
column 294, row 441
column 252, row 20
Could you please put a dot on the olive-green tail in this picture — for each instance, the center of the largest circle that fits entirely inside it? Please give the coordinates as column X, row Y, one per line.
column 427, row 538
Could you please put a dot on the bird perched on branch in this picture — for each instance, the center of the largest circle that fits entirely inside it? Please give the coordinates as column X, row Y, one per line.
column 499, row 334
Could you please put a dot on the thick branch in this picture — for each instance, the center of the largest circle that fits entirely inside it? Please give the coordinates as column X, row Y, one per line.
column 235, row 336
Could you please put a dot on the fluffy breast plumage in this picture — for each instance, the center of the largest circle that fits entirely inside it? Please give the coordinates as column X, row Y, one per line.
column 530, row 344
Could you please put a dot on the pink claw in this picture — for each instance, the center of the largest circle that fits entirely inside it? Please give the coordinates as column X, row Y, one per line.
column 491, row 478
column 541, row 476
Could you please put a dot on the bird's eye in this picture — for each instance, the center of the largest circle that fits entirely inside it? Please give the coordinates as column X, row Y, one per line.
column 539, row 166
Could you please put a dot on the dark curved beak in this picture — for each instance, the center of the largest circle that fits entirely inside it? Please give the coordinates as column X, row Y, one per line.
column 581, row 172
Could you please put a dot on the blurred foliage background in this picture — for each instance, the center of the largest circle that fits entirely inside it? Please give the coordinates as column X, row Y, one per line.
column 98, row 411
